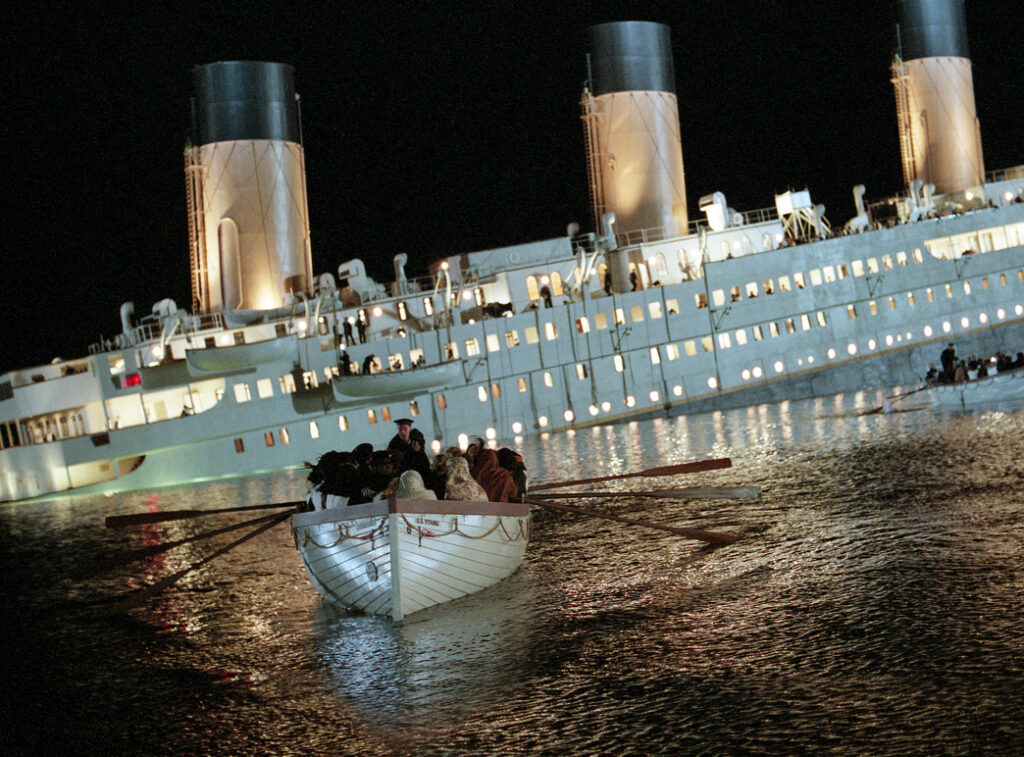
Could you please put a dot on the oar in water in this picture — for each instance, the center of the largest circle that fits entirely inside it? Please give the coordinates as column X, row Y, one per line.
column 895, row 398
column 138, row 519
column 693, row 492
column 711, row 537
column 128, row 556
column 141, row 595
column 666, row 470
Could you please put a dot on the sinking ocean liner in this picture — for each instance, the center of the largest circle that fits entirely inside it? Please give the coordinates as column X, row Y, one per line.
column 650, row 313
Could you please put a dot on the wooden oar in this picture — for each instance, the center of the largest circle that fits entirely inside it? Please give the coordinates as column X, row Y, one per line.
column 138, row 519
column 667, row 470
column 711, row 537
column 141, row 595
column 895, row 398
column 132, row 555
column 693, row 492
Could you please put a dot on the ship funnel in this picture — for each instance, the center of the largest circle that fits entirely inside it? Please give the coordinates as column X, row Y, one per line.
column 245, row 169
column 631, row 130
column 940, row 139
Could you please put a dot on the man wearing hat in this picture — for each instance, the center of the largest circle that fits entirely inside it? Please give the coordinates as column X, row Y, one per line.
column 400, row 441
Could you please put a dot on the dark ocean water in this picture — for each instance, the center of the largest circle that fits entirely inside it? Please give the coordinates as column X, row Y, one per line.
column 875, row 605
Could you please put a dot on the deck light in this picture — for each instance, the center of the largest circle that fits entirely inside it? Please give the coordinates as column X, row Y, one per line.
column 593, row 410
column 542, row 421
column 630, row 400
column 851, row 348
column 779, row 366
column 517, row 428
column 654, row 396
column 491, row 433
column 606, row 406
column 677, row 390
column 712, row 382
column 569, row 416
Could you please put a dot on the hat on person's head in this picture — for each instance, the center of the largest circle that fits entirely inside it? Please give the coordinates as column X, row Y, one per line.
column 406, row 421
column 382, row 457
column 417, row 435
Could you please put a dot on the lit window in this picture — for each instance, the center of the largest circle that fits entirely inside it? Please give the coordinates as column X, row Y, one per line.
column 707, row 344
column 601, row 321
column 901, row 258
column 701, row 300
column 654, row 308
column 619, row 365
column 949, row 291
column 718, row 297
column 672, row 306
column 620, row 316
column 930, row 294
column 773, row 328
column 239, row 446
column 582, row 325
column 790, row 326
column 984, row 282
column 581, row 371
column 549, row 380
column 910, row 298
column 522, row 384
column 371, row 417
column 451, row 351
column 265, row 388
column 342, row 423
column 428, row 305
column 690, row 347
column 492, row 342
column 414, row 408
column 268, row 437
column 655, row 356
column 815, row 277
column 314, row 430
column 403, row 311
column 532, row 290
column 242, row 393
column 472, row 347
column 556, row 284
column 798, row 279
column 805, row 322
column 550, row 332
column 829, row 273
column 724, row 341
column 872, row 265
column 858, row 268
column 784, row 284
column 887, row 262
column 442, row 403
column 967, row 287
column 758, row 333
column 284, row 436
column 672, row 351
column 495, row 390
column 822, row 320
column 481, row 393
column 532, row 337
column 512, row 338
column 892, row 303
column 385, row 413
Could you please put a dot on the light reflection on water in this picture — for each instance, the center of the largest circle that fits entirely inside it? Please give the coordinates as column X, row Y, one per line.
column 872, row 606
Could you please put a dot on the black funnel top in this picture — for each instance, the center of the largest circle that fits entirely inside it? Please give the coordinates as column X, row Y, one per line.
column 933, row 28
column 628, row 56
column 244, row 99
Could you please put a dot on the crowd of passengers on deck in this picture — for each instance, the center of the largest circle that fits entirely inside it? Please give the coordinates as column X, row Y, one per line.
column 404, row 471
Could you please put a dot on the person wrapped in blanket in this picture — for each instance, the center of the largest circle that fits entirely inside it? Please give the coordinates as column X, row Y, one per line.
column 363, row 475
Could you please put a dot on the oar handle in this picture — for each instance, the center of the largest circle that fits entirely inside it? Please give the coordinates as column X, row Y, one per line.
column 138, row 519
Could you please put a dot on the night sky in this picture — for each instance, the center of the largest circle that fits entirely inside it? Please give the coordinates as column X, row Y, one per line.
column 430, row 128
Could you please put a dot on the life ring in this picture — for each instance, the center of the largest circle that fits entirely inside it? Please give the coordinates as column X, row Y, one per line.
column 513, row 257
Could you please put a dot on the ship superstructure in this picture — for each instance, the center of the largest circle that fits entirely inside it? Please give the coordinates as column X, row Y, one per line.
column 623, row 322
